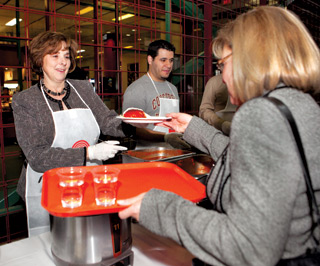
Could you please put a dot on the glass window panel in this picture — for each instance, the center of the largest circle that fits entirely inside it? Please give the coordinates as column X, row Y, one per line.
column 85, row 59
column 145, row 18
column 108, row 29
column 161, row 21
column 111, row 102
column 11, row 30
column 91, row 75
column 127, row 39
column 10, row 56
column 144, row 38
column 108, row 14
column 13, row 163
column 62, row 7
column 34, row 4
column 134, row 65
column 127, row 15
column 65, row 25
column 37, row 24
column 176, row 25
column 84, row 32
column 10, row 2
column 85, row 9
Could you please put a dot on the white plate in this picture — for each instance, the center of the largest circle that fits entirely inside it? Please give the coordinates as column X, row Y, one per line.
column 147, row 120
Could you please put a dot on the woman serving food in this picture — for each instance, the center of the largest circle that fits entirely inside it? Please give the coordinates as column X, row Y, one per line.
column 58, row 122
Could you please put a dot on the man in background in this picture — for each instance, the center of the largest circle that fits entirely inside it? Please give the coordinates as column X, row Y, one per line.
column 153, row 93
column 215, row 107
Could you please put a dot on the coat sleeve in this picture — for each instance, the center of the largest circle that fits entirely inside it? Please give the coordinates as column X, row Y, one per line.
column 210, row 141
column 106, row 118
column 254, row 228
column 35, row 131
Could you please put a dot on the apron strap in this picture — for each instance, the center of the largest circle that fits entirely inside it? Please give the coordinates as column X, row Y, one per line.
column 154, row 85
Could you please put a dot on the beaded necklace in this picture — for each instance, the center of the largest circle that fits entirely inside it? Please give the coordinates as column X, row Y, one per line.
column 63, row 92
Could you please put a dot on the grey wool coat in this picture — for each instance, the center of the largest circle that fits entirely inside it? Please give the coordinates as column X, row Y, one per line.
column 35, row 127
column 261, row 210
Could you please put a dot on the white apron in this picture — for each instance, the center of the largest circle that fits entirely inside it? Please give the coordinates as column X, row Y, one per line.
column 166, row 106
column 228, row 112
column 73, row 128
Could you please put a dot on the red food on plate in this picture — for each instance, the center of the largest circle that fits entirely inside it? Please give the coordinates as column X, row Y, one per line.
column 137, row 113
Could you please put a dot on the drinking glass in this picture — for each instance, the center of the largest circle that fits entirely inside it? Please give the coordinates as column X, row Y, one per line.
column 71, row 180
column 105, row 180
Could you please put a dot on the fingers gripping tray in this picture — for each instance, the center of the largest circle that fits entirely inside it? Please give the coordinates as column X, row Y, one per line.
column 133, row 179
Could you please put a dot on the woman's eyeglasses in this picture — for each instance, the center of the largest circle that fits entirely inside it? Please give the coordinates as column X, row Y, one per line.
column 221, row 62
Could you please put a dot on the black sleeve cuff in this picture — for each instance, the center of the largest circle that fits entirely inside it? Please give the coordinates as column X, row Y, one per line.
column 128, row 130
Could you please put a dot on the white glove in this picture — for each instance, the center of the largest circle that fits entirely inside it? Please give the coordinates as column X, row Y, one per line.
column 104, row 150
column 176, row 141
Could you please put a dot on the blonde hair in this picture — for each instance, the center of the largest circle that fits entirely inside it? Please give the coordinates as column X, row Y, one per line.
column 50, row 42
column 269, row 45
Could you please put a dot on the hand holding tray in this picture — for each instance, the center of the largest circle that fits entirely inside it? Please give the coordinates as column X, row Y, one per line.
column 134, row 178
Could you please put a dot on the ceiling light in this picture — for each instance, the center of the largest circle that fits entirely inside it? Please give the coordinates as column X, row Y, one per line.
column 13, row 22
column 128, row 35
column 123, row 17
column 80, row 51
column 85, row 10
column 128, row 47
column 79, row 56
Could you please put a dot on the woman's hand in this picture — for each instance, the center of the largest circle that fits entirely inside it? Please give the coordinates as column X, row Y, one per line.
column 178, row 123
column 134, row 207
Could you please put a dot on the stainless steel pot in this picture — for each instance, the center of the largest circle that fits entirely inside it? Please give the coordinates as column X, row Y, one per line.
column 91, row 240
column 154, row 155
column 198, row 166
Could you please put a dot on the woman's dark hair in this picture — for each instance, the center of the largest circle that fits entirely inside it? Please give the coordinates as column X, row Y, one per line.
column 158, row 44
column 49, row 42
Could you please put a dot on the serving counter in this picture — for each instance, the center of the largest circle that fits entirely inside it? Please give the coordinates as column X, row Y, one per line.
column 148, row 248
column 93, row 225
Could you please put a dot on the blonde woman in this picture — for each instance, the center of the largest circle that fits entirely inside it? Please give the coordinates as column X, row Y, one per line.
column 260, row 209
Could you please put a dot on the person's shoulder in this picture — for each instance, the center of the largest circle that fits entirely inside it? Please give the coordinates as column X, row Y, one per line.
column 143, row 79
column 83, row 86
column 216, row 81
column 81, row 83
column 254, row 106
column 257, row 113
column 173, row 86
column 29, row 95
column 140, row 83
column 216, row 78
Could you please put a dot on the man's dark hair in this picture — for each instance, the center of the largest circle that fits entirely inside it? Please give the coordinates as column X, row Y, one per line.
column 158, row 44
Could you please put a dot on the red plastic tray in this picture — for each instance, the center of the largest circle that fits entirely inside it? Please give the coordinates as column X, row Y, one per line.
column 134, row 178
